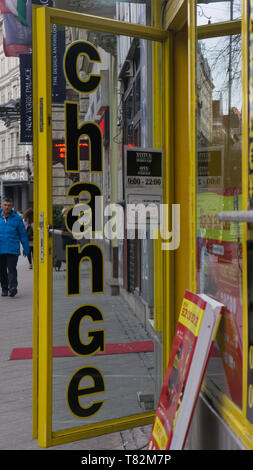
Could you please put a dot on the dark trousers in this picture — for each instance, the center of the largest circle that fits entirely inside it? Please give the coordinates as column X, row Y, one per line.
column 8, row 272
column 29, row 257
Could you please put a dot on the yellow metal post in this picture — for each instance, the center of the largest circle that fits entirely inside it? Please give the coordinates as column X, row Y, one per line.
column 157, row 144
column 168, row 197
column 43, row 129
column 182, row 164
column 35, row 240
column 192, row 134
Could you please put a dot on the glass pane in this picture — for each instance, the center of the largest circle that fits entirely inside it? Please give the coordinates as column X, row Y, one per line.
column 216, row 11
column 132, row 11
column 104, row 341
column 219, row 188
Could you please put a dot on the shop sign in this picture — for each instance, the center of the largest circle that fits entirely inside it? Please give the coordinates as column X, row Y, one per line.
column 143, row 169
column 143, row 184
column 210, row 168
column 15, row 176
column 59, row 150
column 75, row 254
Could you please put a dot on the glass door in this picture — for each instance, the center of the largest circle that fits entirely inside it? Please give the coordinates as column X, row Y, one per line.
column 219, row 189
column 221, row 194
column 97, row 342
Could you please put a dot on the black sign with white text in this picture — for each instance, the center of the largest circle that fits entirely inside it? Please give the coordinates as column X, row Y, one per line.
column 143, row 168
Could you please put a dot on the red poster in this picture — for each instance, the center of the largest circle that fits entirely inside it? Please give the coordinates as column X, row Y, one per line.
column 196, row 328
column 221, row 276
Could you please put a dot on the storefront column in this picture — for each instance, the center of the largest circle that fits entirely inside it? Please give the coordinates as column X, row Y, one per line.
column 24, row 198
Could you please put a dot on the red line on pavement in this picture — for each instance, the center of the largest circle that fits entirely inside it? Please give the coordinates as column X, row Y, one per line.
column 65, row 351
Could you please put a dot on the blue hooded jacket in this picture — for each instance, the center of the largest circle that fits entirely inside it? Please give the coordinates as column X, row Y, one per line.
column 12, row 232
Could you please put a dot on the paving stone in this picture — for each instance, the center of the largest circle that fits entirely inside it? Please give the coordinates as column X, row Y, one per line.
column 122, row 372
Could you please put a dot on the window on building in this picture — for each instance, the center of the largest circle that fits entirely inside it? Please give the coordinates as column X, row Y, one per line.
column 9, row 148
column 12, row 145
column 2, row 66
column 3, row 156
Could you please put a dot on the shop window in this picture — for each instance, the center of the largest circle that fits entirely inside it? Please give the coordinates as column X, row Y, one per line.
column 138, row 94
column 132, row 137
column 219, row 188
column 128, row 121
column 132, row 11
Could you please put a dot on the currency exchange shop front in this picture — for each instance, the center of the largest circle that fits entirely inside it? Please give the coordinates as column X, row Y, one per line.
column 220, row 139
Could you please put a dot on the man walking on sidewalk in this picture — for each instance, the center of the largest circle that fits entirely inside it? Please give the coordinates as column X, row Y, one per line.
column 12, row 233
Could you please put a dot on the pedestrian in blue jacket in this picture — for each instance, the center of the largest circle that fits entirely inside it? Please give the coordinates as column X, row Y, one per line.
column 12, row 233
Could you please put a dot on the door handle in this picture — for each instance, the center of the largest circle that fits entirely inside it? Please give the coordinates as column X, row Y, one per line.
column 236, row 216
column 51, row 231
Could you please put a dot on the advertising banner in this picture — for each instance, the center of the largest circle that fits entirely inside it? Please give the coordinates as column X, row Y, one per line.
column 17, row 25
column 26, row 98
column 26, row 85
column 58, row 77
column 17, row 8
column 219, row 254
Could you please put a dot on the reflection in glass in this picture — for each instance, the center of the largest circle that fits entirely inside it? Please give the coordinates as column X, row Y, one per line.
column 122, row 110
column 217, row 11
column 219, row 188
column 132, row 11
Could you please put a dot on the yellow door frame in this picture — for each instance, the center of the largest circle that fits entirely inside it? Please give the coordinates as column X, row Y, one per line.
column 171, row 16
column 43, row 17
column 36, row 253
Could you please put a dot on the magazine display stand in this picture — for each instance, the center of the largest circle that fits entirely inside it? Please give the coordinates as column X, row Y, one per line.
column 195, row 333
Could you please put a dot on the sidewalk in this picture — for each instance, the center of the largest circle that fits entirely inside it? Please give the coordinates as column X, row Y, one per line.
column 16, row 381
